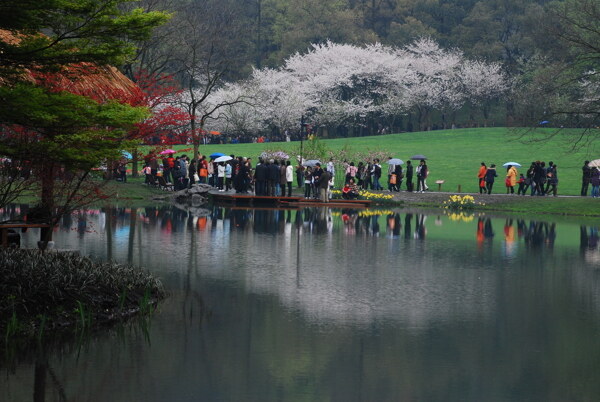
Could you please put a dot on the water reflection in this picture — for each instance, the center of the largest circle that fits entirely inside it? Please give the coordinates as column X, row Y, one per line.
column 341, row 304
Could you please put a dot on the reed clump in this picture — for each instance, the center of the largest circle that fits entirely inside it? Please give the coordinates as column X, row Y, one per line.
column 42, row 291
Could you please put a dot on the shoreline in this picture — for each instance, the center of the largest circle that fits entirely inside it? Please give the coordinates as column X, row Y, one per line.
column 561, row 205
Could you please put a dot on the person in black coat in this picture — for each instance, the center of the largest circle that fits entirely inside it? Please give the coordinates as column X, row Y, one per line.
column 490, row 176
column 273, row 178
column 585, row 179
column 409, row 176
column 260, row 176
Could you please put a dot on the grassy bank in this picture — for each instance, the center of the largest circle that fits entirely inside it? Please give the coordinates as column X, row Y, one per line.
column 41, row 292
column 455, row 155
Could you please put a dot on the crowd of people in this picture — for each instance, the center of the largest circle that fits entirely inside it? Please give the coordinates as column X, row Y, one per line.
column 272, row 177
column 539, row 178
column 275, row 178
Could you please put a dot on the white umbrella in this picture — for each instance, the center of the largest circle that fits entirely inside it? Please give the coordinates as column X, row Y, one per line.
column 311, row 162
column 223, row 158
column 395, row 161
column 507, row 164
column 595, row 163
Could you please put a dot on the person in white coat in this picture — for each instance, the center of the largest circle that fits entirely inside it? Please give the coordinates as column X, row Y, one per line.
column 289, row 177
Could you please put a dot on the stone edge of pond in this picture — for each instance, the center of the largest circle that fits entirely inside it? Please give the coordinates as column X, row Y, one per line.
column 47, row 292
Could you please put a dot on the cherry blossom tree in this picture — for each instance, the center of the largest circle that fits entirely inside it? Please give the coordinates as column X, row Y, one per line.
column 341, row 84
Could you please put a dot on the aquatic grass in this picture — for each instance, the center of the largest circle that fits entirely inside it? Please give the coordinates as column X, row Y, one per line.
column 69, row 289
column 12, row 326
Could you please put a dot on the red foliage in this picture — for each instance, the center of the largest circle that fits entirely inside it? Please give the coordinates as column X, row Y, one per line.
column 168, row 123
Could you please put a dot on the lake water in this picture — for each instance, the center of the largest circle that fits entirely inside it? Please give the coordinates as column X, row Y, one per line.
column 330, row 305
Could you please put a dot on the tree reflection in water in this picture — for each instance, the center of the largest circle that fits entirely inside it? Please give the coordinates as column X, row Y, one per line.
column 339, row 304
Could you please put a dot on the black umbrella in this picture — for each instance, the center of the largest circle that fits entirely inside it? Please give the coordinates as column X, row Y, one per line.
column 418, row 157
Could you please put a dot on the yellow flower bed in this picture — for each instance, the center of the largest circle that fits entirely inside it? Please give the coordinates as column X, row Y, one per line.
column 374, row 196
column 458, row 202
column 364, row 194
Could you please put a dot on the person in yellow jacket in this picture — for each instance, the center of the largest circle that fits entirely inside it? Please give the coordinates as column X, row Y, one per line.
column 511, row 179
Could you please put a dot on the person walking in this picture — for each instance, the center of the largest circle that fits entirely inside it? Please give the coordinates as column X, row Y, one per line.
column 228, row 172
column 351, row 171
column 282, row 178
column 324, row 185
column 409, row 176
column 376, row 174
column 511, row 179
column 552, row 180
column 594, row 175
column 220, row 175
column 192, row 173
column 481, row 178
column 289, row 175
column 331, row 167
column 391, row 170
column 360, row 174
column 368, row 180
column 273, row 178
column 399, row 176
column 490, row 176
column 260, row 176
column 529, row 178
column 521, row 183
column 307, row 182
column 585, row 178
column 300, row 174
column 421, row 176
column 203, row 169
column 539, row 178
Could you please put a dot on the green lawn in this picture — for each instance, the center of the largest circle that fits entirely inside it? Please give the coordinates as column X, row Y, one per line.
column 455, row 155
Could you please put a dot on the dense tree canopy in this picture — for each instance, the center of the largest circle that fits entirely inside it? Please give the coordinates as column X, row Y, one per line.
column 64, row 111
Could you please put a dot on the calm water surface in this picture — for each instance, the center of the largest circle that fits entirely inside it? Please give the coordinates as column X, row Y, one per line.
column 335, row 306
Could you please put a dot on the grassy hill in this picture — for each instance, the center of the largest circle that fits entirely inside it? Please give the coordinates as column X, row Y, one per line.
column 455, row 155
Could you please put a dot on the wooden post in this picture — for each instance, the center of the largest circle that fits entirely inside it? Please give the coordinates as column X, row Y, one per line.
column 459, row 189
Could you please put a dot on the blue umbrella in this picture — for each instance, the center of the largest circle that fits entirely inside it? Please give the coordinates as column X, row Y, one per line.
column 216, row 155
column 544, row 122
column 127, row 154
column 507, row 164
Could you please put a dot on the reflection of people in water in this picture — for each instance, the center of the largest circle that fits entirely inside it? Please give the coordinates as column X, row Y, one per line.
column 509, row 238
column 589, row 244
column 538, row 234
column 480, row 235
column 488, row 232
column 420, row 229
column 394, row 225
column 407, row 226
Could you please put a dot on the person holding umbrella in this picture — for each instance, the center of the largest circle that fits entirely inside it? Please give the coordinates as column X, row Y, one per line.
column 511, row 179
column 422, row 172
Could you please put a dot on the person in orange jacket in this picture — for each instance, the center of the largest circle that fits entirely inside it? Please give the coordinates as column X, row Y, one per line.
column 481, row 178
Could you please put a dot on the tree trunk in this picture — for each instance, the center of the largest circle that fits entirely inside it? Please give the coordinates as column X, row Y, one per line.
column 134, row 163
